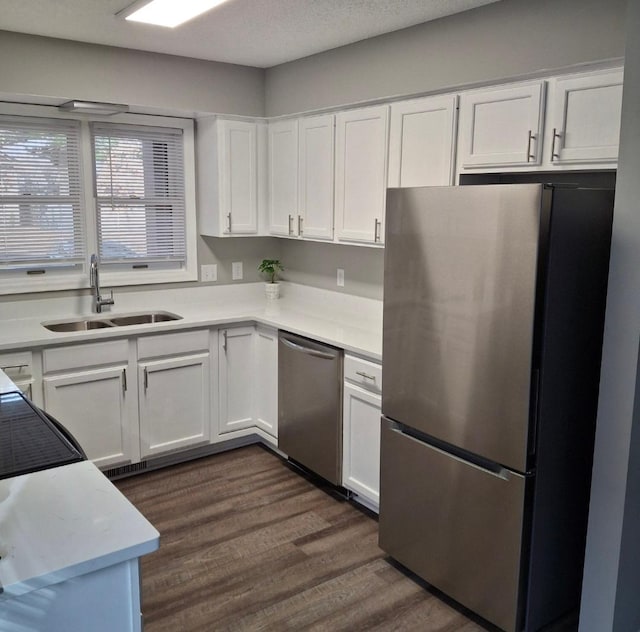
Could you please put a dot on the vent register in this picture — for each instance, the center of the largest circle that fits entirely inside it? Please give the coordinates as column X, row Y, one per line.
column 29, row 440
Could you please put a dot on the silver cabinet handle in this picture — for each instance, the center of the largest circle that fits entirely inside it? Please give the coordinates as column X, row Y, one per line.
column 290, row 230
column 554, row 155
column 366, row 376
column 124, row 381
column 229, row 222
column 146, row 379
column 376, row 230
column 224, row 344
column 313, row 352
column 299, row 224
column 14, row 366
column 529, row 156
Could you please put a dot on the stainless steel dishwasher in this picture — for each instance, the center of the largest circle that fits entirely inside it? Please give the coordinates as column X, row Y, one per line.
column 310, row 405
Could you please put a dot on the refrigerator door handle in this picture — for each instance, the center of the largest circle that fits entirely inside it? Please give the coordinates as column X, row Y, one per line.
column 467, row 459
column 313, row 352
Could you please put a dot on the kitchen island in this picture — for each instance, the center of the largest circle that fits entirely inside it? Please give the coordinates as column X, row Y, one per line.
column 69, row 549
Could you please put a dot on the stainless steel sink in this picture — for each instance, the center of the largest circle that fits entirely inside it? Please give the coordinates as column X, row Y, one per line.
column 78, row 325
column 142, row 319
column 87, row 324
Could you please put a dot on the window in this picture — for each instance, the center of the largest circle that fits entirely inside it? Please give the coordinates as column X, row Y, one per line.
column 71, row 186
column 41, row 197
column 139, row 188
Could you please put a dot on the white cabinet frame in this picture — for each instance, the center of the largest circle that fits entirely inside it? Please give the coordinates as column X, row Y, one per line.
column 422, row 142
column 502, row 127
column 584, row 118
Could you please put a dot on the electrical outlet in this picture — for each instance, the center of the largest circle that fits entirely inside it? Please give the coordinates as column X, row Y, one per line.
column 209, row 273
column 340, row 277
column 236, row 270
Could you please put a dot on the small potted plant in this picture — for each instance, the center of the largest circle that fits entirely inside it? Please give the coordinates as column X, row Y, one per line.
column 271, row 268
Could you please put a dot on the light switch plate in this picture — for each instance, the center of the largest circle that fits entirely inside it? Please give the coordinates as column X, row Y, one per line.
column 209, row 273
column 236, row 270
column 340, row 277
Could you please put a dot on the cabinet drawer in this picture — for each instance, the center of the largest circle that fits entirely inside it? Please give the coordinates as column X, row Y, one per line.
column 79, row 356
column 173, row 344
column 363, row 372
column 17, row 365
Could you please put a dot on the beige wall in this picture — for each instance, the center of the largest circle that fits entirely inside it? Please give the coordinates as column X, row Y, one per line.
column 496, row 41
column 32, row 65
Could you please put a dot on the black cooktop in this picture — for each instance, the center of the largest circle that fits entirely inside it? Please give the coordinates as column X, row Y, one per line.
column 29, row 440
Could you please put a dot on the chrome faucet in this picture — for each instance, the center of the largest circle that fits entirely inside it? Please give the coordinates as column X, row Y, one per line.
column 94, row 280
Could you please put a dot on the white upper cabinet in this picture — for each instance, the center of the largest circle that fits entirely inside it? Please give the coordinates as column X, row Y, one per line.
column 283, row 177
column 583, row 123
column 361, row 174
column 501, row 127
column 421, row 142
column 316, row 177
column 227, row 153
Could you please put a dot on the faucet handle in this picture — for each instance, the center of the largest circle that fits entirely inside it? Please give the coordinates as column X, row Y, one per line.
column 109, row 301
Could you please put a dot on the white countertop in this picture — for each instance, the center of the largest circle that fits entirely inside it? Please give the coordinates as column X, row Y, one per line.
column 64, row 522
column 351, row 323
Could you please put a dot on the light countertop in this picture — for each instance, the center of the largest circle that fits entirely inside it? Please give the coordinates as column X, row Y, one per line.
column 351, row 323
column 64, row 522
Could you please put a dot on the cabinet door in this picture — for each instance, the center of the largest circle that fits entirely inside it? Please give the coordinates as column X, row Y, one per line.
column 175, row 406
column 266, row 383
column 238, row 178
column 421, row 142
column 95, row 407
column 316, row 176
column 361, row 442
column 500, row 128
column 584, row 118
column 361, row 174
column 283, row 177
column 236, row 358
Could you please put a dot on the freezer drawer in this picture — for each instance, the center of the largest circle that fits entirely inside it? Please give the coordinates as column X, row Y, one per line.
column 456, row 525
column 310, row 405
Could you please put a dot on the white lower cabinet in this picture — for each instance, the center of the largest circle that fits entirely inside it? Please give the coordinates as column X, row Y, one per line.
column 18, row 365
column 266, row 383
column 361, row 430
column 174, row 391
column 94, row 403
column 236, row 383
column 174, row 397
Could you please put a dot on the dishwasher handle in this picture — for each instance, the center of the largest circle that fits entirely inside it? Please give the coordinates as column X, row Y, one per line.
column 308, row 350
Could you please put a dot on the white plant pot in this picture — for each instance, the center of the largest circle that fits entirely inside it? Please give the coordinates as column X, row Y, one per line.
column 272, row 290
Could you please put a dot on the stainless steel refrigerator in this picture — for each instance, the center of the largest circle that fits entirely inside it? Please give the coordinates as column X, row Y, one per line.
column 494, row 300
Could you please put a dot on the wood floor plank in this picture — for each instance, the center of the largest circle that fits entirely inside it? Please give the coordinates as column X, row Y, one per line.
column 247, row 544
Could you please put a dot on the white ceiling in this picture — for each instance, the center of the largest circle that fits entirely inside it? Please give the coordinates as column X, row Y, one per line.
column 260, row 33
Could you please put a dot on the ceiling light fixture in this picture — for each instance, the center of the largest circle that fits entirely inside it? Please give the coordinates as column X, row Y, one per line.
column 169, row 13
column 93, row 107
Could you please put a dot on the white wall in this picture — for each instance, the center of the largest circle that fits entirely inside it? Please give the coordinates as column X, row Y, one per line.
column 499, row 40
column 32, row 65
column 611, row 597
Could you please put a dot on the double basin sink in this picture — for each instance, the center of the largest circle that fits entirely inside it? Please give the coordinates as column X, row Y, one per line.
column 124, row 320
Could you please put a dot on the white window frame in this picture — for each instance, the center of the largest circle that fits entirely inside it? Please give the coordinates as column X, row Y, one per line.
column 79, row 279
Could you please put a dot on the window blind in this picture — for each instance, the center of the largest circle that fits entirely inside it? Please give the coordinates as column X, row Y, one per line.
column 139, row 189
column 41, row 199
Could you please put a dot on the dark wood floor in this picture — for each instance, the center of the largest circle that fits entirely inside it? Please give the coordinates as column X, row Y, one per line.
column 248, row 544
